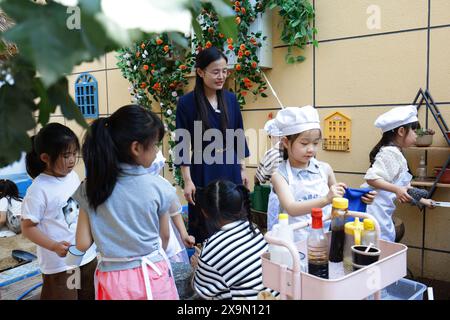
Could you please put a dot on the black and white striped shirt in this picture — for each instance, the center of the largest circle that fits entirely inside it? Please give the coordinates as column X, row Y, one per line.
column 269, row 163
column 229, row 266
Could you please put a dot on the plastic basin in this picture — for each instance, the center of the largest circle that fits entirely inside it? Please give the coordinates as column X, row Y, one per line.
column 404, row 289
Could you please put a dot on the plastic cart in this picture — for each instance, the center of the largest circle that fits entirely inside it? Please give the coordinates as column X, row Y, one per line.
column 295, row 284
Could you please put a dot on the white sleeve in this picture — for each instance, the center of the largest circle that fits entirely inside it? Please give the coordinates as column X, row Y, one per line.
column 33, row 207
column 387, row 166
column 3, row 204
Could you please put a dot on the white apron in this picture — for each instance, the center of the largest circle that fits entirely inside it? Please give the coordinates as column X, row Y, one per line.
column 273, row 208
column 383, row 207
column 145, row 261
column 304, row 190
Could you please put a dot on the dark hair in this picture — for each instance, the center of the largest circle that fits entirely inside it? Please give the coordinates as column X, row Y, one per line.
column 107, row 143
column 203, row 60
column 53, row 139
column 9, row 189
column 221, row 201
column 388, row 139
column 291, row 139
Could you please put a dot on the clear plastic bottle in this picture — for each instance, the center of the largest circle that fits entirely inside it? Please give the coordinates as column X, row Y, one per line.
column 369, row 235
column 338, row 213
column 317, row 246
column 421, row 172
column 282, row 230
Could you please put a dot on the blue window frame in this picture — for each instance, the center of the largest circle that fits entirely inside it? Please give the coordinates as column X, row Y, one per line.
column 86, row 95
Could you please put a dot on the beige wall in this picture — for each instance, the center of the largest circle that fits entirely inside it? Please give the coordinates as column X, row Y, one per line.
column 361, row 73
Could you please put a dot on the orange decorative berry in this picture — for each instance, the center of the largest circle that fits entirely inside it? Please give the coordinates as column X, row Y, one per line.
column 143, row 45
column 254, row 64
column 221, row 35
column 242, row 47
column 237, row 3
column 166, row 48
column 247, row 80
column 247, row 53
column 143, row 85
column 183, row 67
column 138, row 54
column 230, row 40
column 243, row 11
column 208, row 44
column 157, row 86
column 153, row 71
column 244, row 93
column 238, row 20
column 230, row 47
column 270, row 116
column 238, row 67
column 152, row 64
column 211, row 30
column 158, row 41
column 145, row 67
column 240, row 53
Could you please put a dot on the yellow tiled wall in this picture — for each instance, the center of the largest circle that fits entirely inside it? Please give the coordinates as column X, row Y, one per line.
column 357, row 71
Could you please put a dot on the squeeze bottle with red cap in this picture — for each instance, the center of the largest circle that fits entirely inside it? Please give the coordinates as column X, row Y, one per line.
column 317, row 246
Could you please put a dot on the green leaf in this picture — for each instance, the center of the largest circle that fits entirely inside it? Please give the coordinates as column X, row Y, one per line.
column 263, row 95
column 228, row 27
column 45, row 40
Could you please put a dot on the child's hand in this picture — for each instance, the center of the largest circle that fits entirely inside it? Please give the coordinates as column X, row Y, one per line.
column 194, row 258
column 336, row 191
column 368, row 197
column 429, row 203
column 189, row 241
column 61, row 248
column 402, row 194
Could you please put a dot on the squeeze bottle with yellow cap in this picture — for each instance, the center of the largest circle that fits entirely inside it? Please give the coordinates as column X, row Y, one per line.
column 369, row 234
column 282, row 230
column 338, row 212
column 353, row 232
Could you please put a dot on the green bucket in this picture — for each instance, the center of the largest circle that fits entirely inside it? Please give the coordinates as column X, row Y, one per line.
column 260, row 197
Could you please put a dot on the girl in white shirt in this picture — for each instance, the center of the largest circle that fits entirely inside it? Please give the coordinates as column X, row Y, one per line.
column 389, row 170
column 45, row 220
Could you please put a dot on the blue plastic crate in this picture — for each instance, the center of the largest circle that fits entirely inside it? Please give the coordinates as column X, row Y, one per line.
column 404, row 289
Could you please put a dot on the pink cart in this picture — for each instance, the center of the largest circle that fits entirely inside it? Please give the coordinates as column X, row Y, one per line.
column 298, row 285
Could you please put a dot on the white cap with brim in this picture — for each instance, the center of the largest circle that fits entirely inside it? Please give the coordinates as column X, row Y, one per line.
column 396, row 117
column 293, row 120
column 271, row 128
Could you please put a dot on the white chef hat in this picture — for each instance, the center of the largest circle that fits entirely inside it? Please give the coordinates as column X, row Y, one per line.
column 396, row 117
column 271, row 128
column 293, row 120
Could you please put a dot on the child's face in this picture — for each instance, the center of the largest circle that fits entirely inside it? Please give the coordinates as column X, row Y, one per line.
column 65, row 163
column 303, row 148
column 407, row 138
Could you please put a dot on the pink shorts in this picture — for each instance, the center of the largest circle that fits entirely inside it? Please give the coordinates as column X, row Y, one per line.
column 129, row 284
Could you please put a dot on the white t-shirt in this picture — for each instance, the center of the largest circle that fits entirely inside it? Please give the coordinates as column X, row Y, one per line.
column 43, row 204
column 15, row 205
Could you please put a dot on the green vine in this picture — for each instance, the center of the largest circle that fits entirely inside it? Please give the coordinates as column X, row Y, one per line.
column 157, row 69
column 297, row 30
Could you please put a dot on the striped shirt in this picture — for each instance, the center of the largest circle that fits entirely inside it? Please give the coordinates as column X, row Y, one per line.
column 229, row 266
column 269, row 163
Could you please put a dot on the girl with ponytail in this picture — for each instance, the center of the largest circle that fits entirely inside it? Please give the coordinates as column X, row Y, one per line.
column 229, row 264
column 125, row 210
column 49, row 214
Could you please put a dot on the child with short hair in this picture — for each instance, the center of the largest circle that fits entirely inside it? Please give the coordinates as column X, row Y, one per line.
column 388, row 170
column 302, row 182
column 229, row 265
column 123, row 209
column 50, row 164
column 10, row 206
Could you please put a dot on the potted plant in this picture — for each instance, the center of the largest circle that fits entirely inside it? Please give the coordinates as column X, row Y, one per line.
column 424, row 137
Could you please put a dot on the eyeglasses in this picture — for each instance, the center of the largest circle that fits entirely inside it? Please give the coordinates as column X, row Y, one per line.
column 216, row 73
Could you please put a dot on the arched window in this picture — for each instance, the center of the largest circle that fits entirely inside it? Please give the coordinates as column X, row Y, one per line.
column 86, row 95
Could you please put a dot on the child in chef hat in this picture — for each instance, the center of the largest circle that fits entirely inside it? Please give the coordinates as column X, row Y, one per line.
column 389, row 170
column 302, row 182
